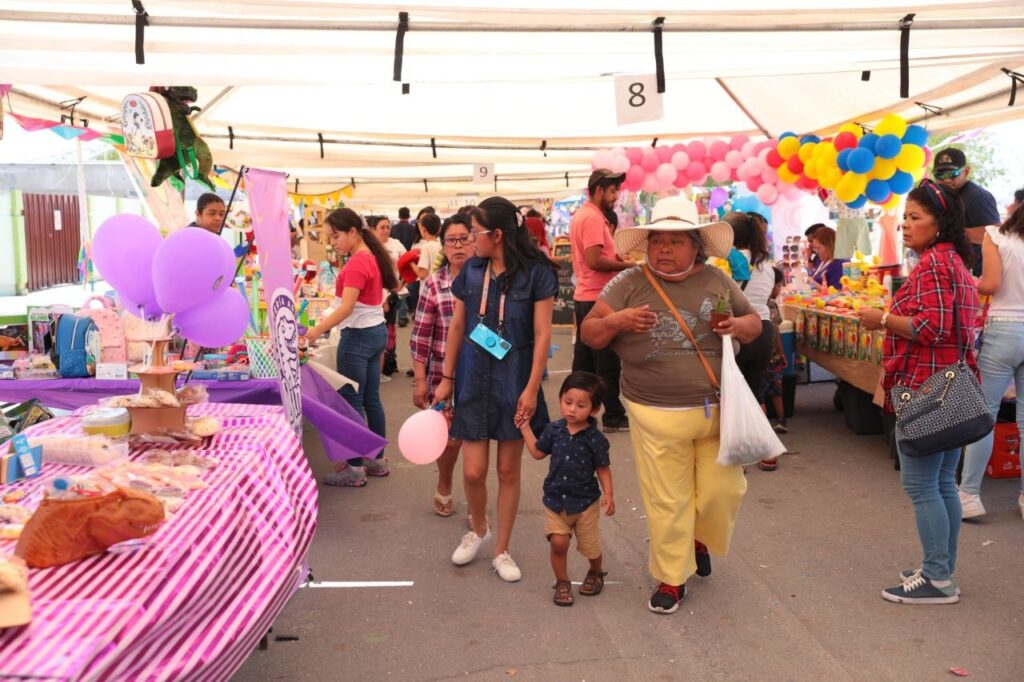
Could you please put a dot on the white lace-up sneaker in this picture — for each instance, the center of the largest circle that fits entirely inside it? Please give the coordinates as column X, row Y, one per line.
column 469, row 547
column 506, row 568
column 972, row 506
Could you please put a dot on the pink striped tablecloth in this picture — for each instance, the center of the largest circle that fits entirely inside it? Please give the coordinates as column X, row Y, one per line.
column 195, row 601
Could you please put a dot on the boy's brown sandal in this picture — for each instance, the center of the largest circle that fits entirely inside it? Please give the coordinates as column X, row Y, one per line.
column 563, row 593
column 593, row 584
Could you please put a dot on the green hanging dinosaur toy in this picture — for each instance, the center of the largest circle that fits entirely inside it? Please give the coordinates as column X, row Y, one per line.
column 192, row 155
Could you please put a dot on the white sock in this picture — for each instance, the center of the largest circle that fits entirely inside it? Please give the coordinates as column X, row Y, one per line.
column 942, row 583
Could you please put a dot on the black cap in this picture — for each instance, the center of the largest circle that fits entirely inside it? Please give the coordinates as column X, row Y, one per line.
column 948, row 159
column 606, row 176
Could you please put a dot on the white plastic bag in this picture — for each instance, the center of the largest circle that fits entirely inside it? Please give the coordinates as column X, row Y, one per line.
column 745, row 436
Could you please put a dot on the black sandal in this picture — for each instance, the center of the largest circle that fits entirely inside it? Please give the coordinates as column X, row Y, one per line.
column 563, row 593
column 593, row 584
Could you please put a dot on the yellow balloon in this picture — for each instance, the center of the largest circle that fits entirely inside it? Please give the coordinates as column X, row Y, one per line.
column 917, row 175
column 852, row 128
column 787, row 175
column 788, row 147
column 827, row 151
column 806, row 151
column 811, row 169
column 829, row 178
column 851, row 186
column 910, row 158
column 893, row 202
column 891, row 124
column 884, row 169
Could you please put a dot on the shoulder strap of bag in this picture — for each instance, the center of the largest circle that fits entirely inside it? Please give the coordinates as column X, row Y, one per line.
column 682, row 324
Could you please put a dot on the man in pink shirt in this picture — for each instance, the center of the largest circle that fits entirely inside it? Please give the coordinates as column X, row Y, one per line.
column 595, row 263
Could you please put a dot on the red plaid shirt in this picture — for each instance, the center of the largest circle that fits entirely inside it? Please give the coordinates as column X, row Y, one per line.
column 430, row 325
column 927, row 298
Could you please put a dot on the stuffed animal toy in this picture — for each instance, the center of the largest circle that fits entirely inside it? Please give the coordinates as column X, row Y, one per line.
column 192, row 151
column 66, row 530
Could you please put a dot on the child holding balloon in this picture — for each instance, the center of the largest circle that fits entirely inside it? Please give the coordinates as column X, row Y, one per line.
column 579, row 460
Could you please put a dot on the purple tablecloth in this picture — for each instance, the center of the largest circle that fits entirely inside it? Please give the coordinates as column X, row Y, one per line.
column 343, row 432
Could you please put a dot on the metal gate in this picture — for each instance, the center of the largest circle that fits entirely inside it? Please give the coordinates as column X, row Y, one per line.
column 52, row 240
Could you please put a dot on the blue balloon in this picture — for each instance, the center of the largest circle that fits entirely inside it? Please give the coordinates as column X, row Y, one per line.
column 858, row 202
column 843, row 160
column 868, row 142
column 915, row 135
column 786, row 134
column 810, row 138
column 877, row 191
column 861, row 160
column 888, row 147
column 901, row 183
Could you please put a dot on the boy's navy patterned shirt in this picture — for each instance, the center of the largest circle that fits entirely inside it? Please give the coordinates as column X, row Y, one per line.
column 571, row 485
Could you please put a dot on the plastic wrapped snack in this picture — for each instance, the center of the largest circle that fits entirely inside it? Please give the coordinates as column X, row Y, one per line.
column 205, row 426
column 180, row 458
column 193, row 394
column 88, row 451
column 164, row 398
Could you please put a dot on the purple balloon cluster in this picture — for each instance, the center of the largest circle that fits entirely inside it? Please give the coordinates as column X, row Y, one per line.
column 189, row 275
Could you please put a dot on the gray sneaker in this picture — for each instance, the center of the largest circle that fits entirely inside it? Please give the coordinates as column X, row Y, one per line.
column 349, row 476
column 376, row 467
column 908, row 573
column 920, row 590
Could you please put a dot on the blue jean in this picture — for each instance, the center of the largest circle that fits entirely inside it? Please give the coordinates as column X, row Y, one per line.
column 1000, row 361
column 930, row 483
column 359, row 359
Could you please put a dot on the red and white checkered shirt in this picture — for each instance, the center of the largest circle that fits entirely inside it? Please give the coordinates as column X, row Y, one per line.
column 434, row 311
column 927, row 297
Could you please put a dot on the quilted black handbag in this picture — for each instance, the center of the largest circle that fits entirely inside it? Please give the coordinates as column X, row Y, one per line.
column 948, row 411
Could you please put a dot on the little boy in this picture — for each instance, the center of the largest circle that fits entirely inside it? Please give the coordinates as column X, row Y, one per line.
column 771, row 383
column 579, row 459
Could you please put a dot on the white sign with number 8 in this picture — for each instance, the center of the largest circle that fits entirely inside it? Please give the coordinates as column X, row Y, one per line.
column 637, row 99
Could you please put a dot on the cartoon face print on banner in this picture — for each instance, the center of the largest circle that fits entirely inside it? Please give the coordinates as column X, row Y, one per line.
column 286, row 353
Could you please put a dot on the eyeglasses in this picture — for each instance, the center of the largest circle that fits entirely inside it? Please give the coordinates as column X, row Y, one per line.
column 474, row 234
column 459, row 241
column 948, row 174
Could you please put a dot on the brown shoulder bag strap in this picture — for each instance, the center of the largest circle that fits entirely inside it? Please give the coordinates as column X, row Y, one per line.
column 682, row 324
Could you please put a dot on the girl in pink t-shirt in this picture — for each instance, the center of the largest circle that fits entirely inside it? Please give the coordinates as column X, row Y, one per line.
column 360, row 315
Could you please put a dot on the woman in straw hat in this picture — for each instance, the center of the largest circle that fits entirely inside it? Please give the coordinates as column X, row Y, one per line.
column 671, row 361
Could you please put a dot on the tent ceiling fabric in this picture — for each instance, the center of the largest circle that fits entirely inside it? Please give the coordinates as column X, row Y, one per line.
column 794, row 65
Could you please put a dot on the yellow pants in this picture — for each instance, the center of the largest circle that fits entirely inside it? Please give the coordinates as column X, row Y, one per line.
column 687, row 494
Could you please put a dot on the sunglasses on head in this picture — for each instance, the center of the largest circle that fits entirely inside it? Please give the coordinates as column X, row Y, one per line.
column 948, row 174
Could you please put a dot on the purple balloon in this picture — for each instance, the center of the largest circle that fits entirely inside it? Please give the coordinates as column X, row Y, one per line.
column 123, row 251
column 218, row 322
column 148, row 310
column 190, row 268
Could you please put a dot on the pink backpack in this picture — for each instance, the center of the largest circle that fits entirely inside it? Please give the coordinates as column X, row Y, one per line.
column 113, row 343
column 147, row 127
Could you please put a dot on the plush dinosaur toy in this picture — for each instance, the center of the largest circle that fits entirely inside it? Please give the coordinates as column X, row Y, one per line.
column 62, row 531
column 192, row 150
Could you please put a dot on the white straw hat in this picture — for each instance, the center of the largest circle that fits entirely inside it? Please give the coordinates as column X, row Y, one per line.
column 676, row 214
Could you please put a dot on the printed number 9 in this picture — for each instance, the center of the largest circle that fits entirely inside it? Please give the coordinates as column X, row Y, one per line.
column 483, row 171
column 636, row 95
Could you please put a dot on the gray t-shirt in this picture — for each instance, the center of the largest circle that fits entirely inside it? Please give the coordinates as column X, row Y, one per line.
column 660, row 368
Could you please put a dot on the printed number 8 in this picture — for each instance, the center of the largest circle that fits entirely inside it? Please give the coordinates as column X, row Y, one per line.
column 636, row 95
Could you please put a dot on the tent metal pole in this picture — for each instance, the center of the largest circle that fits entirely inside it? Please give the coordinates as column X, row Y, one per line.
column 743, row 108
column 469, row 27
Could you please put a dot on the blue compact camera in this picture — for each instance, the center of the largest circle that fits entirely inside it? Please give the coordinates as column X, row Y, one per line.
column 490, row 341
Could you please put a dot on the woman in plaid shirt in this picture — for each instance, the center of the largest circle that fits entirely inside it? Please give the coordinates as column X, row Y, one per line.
column 429, row 336
column 920, row 339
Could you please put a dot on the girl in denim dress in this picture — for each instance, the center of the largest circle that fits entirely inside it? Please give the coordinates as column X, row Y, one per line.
column 493, row 396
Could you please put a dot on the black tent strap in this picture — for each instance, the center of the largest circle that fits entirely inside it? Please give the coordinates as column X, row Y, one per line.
column 905, row 24
column 433, row 147
column 544, row 147
column 320, row 136
column 296, row 185
column 1015, row 78
column 405, row 88
column 141, row 22
column 654, row 142
column 403, row 28
column 231, row 137
column 352, row 181
column 659, row 57
column 566, row 179
column 425, row 187
column 865, row 75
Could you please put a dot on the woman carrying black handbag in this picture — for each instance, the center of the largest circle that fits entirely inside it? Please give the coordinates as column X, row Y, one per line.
column 929, row 340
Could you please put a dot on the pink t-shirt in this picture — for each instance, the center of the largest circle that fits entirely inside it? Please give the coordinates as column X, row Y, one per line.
column 361, row 272
column 589, row 228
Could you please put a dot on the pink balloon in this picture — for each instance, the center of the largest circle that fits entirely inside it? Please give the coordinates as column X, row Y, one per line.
column 718, row 150
column 696, row 150
column 762, row 154
column 423, row 437
column 720, row 171
column 618, row 151
column 680, row 160
column 749, row 149
column 738, row 141
column 678, row 147
column 927, row 155
column 766, row 144
column 757, row 166
column 767, row 194
column 217, row 322
column 635, row 155
column 770, row 175
column 602, row 159
column 682, row 179
column 666, row 174
column 696, row 172
column 650, row 161
column 664, row 153
column 754, row 183
column 620, row 164
column 651, row 184
column 635, row 177
column 733, row 158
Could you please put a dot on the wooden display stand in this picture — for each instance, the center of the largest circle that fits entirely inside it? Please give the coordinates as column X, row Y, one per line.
column 154, row 419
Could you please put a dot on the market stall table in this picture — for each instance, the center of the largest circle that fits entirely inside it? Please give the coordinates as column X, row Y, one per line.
column 200, row 593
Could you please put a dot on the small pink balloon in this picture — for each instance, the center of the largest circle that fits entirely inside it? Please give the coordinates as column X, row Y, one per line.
column 696, row 150
column 767, row 194
column 718, row 150
column 664, row 153
column 749, row 149
column 423, row 437
column 620, row 164
column 635, row 177
column 650, row 161
column 651, row 184
column 770, row 175
column 720, row 171
column 767, row 145
column 754, row 183
column 680, row 160
column 927, row 155
column 738, row 141
column 602, row 159
column 618, row 151
column 678, row 147
column 696, row 172
column 682, row 180
column 666, row 174
column 635, row 155
column 762, row 154
column 789, row 191
column 733, row 158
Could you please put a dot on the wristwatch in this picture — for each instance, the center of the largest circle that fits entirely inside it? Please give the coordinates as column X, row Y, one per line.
column 885, row 318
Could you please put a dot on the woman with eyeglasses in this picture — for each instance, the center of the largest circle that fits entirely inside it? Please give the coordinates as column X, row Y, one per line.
column 829, row 271
column 429, row 340
column 360, row 291
column 497, row 347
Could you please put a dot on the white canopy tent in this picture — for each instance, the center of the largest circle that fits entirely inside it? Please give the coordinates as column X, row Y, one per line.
column 495, row 84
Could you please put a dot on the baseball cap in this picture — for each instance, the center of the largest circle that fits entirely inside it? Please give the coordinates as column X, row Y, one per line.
column 603, row 175
column 949, row 158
